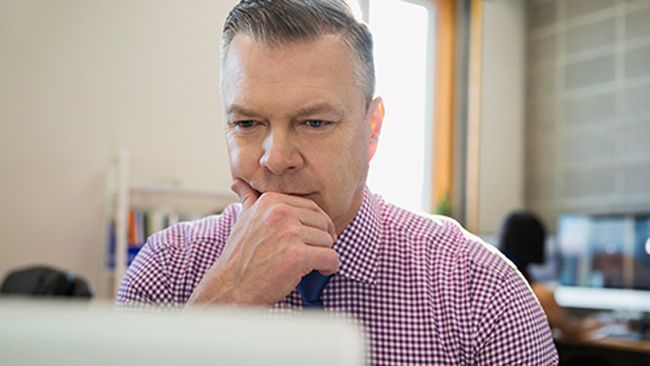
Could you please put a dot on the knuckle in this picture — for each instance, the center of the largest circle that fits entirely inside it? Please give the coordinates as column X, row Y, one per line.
column 281, row 211
column 295, row 254
column 316, row 208
column 266, row 198
column 289, row 232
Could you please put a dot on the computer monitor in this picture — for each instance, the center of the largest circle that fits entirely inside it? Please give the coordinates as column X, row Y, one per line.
column 604, row 252
column 642, row 252
column 75, row 334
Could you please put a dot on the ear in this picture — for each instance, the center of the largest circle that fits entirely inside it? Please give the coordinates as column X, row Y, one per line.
column 376, row 119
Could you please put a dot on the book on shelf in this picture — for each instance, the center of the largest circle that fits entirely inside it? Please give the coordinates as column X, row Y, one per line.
column 140, row 225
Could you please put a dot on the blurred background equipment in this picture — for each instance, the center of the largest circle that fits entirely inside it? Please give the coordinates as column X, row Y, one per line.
column 47, row 282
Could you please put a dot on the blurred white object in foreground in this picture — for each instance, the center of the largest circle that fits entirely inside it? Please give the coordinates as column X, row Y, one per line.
column 79, row 334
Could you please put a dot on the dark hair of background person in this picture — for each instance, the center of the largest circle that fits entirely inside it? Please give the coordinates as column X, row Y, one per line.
column 522, row 240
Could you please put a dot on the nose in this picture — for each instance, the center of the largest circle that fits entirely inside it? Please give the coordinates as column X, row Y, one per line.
column 281, row 153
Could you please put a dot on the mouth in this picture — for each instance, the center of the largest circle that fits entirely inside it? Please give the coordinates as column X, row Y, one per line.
column 303, row 195
column 285, row 192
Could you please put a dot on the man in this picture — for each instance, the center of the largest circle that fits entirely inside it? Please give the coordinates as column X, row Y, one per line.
column 301, row 128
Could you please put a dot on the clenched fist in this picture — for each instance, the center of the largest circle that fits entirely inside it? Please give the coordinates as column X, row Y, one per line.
column 278, row 239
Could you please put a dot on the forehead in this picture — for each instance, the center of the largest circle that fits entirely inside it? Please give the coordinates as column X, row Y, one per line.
column 253, row 67
column 243, row 40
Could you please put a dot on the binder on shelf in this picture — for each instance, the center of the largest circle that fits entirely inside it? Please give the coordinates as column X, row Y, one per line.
column 140, row 225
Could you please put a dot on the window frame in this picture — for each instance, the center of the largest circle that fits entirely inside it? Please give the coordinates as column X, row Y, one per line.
column 442, row 134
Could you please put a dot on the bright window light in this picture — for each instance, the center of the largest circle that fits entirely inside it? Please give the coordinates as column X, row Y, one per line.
column 403, row 34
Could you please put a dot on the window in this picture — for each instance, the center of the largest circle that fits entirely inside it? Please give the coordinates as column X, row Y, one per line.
column 404, row 36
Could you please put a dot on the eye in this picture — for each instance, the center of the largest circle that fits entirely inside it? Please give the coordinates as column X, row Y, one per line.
column 245, row 124
column 314, row 123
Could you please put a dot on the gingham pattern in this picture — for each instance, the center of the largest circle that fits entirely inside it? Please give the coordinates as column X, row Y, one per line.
column 425, row 291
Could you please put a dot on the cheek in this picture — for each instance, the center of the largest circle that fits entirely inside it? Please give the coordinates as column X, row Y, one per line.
column 352, row 161
column 357, row 148
column 240, row 157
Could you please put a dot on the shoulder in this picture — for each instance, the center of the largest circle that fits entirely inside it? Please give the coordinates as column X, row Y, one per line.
column 454, row 258
column 417, row 225
column 472, row 279
column 444, row 236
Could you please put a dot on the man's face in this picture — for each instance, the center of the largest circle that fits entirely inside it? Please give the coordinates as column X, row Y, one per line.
column 296, row 122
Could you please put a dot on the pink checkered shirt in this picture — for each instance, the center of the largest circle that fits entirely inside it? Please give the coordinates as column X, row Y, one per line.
column 425, row 291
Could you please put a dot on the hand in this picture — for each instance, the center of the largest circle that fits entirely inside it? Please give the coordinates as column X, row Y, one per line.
column 278, row 239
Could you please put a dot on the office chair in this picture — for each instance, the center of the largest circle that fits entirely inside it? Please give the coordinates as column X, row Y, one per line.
column 43, row 281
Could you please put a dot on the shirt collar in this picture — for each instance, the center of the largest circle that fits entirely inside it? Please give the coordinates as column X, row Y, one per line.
column 358, row 245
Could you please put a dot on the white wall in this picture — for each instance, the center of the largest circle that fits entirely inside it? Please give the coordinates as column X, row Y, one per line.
column 80, row 79
column 502, row 112
column 501, row 180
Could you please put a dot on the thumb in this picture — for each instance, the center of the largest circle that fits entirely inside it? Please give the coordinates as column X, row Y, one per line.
column 246, row 193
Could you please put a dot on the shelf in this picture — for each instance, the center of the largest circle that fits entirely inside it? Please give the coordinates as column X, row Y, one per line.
column 191, row 200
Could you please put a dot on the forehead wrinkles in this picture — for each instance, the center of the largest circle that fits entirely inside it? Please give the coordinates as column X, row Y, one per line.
column 252, row 69
column 269, row 48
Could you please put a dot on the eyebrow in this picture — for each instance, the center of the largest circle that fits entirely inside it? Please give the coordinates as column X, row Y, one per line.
column 302, row 112
column 241, row 110
column 322, row 108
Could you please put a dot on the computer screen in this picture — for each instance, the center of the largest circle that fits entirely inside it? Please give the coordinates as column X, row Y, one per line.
column 604, row 251
column 642, row 252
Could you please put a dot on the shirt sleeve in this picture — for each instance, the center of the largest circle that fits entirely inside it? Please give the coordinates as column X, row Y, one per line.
column 172, row 262
column 514, row 329
column 146, row 283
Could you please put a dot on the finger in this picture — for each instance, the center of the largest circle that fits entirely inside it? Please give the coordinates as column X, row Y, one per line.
column 324, row 260
column 297, row 201
column 319, row 220
column 247, row 195
column 332, row 230
column 316, row 237
column 308, row 204
column 305, row 204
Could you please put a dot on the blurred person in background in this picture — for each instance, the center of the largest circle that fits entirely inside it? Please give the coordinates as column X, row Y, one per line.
column 523, row 241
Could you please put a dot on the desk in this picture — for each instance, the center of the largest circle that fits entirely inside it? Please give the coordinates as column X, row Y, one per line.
column 623, row 312
column 606, row 351
column 618, row 342
column 613, row 343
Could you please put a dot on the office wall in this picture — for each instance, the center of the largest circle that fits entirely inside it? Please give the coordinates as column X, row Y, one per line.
column 81, row 79
column 588, row 107
column 502, row 112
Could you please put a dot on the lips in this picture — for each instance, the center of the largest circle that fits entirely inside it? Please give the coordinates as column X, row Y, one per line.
column 282, row 191
column 300, row 194
column 304, row 195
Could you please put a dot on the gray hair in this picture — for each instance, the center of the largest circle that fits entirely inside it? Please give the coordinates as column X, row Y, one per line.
column 280, row 22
